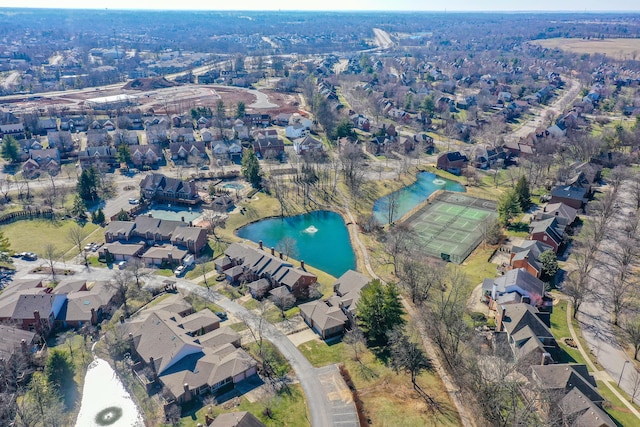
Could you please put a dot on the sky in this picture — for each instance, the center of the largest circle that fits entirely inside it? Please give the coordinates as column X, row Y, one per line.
column 397, row 5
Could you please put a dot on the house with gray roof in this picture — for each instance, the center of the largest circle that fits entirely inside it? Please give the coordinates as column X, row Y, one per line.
column 89, row 304
column 236, row 419
column 162, row 188
column 519, row 283
column 547, row 231
column 564, row 214
column 526, row 330
column 527, row 256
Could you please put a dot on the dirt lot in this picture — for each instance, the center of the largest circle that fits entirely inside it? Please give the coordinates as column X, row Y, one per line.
column 616, row 48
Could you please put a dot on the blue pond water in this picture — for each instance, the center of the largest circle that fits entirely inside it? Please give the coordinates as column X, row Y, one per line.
column 411, row 196
column 322, row 239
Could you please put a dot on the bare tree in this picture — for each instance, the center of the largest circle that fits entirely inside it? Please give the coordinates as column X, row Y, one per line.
column 51, row 254
column 202, row 265
column 355, row 339
column 76, row 236
column 213, row 220
column 631, row 327
column 399, row 241
column 419, row 275
column 138, row 270
column 120, row 282
column 284, row 301
column 287, row 246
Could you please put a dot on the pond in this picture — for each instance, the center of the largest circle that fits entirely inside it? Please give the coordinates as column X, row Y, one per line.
column 321, row 239
column 233, row 186
column 173, row 213
column 412, row 195
column 105, row 401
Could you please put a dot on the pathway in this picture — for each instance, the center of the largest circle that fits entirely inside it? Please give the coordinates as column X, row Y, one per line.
column 452, row 390
column 598, row 374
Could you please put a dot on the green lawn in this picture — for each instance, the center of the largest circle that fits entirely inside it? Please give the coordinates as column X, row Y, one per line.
column 616, row 408
column 560, row 330
column 34, row 235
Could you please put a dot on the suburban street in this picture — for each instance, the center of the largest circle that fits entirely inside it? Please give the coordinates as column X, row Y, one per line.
column 328, row 403
column 594, row 315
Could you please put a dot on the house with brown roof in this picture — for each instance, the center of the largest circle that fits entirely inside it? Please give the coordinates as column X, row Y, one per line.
column 187, row 151
column 527, row 256
column 187, row 356
column 330, row 318
column 452, row 161
column 146, row 155
column 547, row 231
column 159, row 187
column 89, row 303
column 236, row 419
column 258, row 263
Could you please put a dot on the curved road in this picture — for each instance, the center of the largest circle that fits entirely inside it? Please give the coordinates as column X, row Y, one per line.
column 324, row 411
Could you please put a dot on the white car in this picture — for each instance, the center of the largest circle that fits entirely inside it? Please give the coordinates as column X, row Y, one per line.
column 180, row 270
column 133, row 201
column 122, row 265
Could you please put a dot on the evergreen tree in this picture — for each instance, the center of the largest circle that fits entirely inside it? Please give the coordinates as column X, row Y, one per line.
column 241, row 110
column 5, row 247
column 549, row 262
column 124, row 153
column 88, row 183
column 122, row 216
column 251, row 167
column 59, row 370
column 379, row 310
column 524, row 195
column 508, row 207
column 79, row 210
column 98, row 216
column 10, row 149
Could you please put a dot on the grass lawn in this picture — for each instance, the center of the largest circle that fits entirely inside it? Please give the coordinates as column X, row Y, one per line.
column 388, row 397
column 477, row 266
column 34, row 235
column 287, row 409
column 616, row 408
column 560, row 330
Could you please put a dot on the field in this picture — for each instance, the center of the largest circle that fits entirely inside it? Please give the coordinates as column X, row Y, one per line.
column 450, row 225
column 615, row 48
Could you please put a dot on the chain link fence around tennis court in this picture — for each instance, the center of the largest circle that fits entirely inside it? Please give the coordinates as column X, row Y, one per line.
column 443, row 232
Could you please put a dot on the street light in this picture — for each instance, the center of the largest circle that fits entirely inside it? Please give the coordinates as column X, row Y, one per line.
column 622, row 372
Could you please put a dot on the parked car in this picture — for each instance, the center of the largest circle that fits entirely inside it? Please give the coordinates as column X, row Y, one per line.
column 122, row 265
column 133, row 201
column 180, row 270
column 29, row 256
column 222, row 315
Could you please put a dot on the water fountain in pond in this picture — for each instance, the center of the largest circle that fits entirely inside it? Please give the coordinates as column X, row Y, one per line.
column 439, row 181
column 311, row 230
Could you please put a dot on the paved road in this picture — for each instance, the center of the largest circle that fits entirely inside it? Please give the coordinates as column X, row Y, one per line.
column 594, row 314
column 327, row 407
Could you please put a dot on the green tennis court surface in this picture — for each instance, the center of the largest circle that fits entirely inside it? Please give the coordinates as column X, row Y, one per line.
column 451, row 225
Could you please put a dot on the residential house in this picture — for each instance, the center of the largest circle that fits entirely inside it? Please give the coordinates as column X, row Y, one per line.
column 191, row 238
column 43, row 160
column 146, row 155
column 576, row 197
column 257, row 120
column 452, row 161
column 206, row 135
column 308, row 145
column 15, row 130
column 129, row 137
column 267, row 146
column 188, row 151
column 564, row 214
column 526, row 331
column 35, row 312
column 121, row 251
column 258, row 263
column 86, row 303
column 240, row 130
column 330, row 318
column 567, row 392
column 163, row 188
column 236, row 419
column 181, row 135
column 282, row 119
column 157, row 133
column 361, row 122
column 296, row 130
column 527, row 256
column 62, row 140
column 104, row 158
column 46, row 125
column 98, row 137
column 547, row 231
column 160, row 255
column 74, row 124
column 187, row 356
column 514, row 287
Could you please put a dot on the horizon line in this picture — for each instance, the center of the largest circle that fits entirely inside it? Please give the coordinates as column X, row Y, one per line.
column 444, row 11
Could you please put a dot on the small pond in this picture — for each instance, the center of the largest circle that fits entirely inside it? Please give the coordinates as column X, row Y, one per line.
column 233, row 186
column 322, row 239
column 173, row 213
column 105, row 401
column 412, row 195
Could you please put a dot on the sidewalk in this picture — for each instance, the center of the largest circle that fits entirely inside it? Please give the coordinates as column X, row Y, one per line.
column 598, row 374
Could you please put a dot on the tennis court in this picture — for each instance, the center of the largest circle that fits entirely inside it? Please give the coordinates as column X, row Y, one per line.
column 450, row 226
